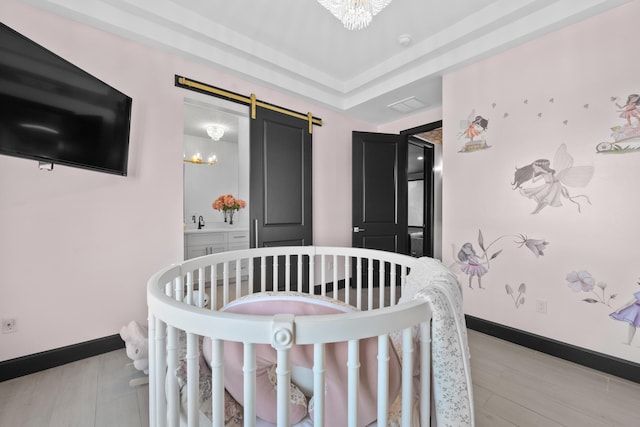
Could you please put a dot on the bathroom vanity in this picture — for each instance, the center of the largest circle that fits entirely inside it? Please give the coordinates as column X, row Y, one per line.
column 209, row 241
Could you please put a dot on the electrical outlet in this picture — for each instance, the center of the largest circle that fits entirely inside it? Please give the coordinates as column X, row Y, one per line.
column 9, row 326
column 541, row 306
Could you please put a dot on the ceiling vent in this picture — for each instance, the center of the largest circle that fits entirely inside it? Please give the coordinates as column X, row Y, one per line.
column 407, row 105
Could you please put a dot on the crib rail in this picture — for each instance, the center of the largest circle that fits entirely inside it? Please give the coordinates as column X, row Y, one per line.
column 314, row 270
column 176, row 305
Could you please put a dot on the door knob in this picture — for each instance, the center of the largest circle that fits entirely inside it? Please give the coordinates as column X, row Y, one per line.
column 357, row 229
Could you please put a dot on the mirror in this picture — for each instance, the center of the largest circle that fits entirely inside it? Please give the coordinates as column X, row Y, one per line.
column 203, row 183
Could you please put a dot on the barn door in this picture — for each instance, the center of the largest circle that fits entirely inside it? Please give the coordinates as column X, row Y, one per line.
column 280, row 183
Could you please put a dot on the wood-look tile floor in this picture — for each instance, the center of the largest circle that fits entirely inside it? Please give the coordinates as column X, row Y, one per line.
column 90, row 392
column 516, row 386
column 513, row 386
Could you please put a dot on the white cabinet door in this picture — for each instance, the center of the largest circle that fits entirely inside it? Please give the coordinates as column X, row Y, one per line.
column 207, row 243
column 195, row 251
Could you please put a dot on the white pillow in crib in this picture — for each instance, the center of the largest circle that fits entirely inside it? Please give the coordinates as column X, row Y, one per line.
column 270, row 303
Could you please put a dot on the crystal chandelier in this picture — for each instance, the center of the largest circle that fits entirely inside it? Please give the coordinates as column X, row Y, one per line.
column 215, row 132
column 354, row 14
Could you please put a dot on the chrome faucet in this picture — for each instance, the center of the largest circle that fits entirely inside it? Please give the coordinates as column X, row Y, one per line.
column 200, row 222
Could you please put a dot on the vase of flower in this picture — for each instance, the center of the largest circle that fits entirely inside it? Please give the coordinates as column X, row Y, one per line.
column 229, row 205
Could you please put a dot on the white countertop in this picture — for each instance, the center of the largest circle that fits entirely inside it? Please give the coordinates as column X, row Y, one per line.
column 215, row 229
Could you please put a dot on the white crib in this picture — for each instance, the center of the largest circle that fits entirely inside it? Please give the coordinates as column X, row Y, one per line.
column 415, row 301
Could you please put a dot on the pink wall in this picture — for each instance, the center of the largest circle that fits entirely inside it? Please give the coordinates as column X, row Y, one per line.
column 558, row 89
column 78, row 246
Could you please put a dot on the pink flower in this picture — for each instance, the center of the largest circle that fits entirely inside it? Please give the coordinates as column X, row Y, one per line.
column 217, row 204
column 229, row 201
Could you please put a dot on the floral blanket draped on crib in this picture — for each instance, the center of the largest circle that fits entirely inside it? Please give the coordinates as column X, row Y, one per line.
column 450, row 366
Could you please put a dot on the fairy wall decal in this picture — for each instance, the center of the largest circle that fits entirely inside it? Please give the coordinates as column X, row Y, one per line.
column 631, row 109
column 556, row 178
column 473, row 264
column 626, row 136
column 473, row 130
column 629, row 313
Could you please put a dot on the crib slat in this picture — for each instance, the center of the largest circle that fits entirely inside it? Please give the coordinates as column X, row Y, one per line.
column 238, row 279
column 392, row 274
column 311, row 276
column 299, row 276
column 383, row 379
column 263, row 273
column 251, row 262
column 249, row 370
column 381, row 285
column 407, row 376
column 199, row 300
column 359, row 283
column 369, row 282
column 283, row 373
column 173, row 389
column 335, row 274
column 287, row 273
column 193, row 374
column 226, row 281
column 318, row 384
column 353, row 383
column 217, row 382
column 275, row 283
column 186, row 286
column 161, row 365
column 323, row 280
column 213, row 280
column 348, row 276
column 189, row 285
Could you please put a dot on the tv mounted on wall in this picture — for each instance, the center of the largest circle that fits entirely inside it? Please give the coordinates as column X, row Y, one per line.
column 54, row 112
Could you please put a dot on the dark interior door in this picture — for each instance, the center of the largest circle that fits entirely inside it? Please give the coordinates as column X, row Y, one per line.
column 379, row 192
column 280, row 183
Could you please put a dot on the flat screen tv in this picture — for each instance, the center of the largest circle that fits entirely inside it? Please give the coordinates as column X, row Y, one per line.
column 54, row 112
